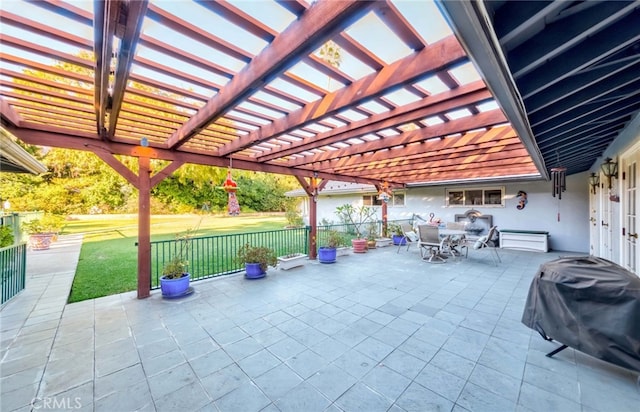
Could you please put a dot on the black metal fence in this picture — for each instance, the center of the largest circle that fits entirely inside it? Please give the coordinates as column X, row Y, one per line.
column 212, row 256
column 13, row 267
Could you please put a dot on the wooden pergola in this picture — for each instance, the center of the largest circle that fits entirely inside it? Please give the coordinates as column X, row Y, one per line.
column 250, row 93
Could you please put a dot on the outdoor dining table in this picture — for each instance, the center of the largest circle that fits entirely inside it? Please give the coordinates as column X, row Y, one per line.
column 447, row 236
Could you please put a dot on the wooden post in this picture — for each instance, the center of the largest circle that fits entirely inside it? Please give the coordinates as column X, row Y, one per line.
column 384, row 219
column 144, row 228
column 313, row 244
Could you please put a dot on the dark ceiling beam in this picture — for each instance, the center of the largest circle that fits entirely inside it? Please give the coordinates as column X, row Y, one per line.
column 179, row 25
column 584, row 132
column 628, row 78
column 318, row 23
column 412, row 68
column 135, row 14
column 472, row 25
column 594, row 110
column 241, row 19
column 46, row 136
column 601, row 45
column 559, row 37
column 514, row 21
column 429, row 106
column 578, row 82
column 469, row 123
column 596, row 113
column 105, row 26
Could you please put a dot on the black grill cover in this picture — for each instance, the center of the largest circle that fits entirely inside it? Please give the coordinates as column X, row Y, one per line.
column 589, row 304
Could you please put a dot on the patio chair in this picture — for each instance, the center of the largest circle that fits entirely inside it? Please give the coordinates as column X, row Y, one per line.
column 409, row 236
column 487, row 243
column 430, row 244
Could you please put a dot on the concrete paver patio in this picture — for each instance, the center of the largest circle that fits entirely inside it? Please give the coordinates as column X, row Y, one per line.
column 381, row 331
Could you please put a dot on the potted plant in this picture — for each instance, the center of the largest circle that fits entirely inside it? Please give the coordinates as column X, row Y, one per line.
column 357, row 217
column 256, row 260
column 175, row 278
column 291, row 260
column 397, row 235
column 328, row 251
column 372, row 235
column 42, row 231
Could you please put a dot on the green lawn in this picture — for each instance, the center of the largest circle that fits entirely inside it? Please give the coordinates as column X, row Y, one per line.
column 108, row 260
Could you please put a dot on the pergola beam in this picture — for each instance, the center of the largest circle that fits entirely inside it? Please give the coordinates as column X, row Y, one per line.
column 318, row 23
column 411, row 68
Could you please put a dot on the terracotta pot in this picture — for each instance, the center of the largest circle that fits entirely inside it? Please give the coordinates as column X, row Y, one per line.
column 359, row 245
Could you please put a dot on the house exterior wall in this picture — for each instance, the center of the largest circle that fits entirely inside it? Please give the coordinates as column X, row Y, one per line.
column 568, row 233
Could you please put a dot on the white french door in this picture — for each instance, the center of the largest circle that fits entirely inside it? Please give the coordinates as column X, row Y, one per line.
column 631, row 225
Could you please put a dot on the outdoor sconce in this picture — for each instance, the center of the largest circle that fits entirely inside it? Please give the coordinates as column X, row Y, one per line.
column 609, row 169
column 594, row 181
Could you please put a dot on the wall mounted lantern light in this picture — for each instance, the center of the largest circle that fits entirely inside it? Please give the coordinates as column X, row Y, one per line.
column 594, row 181
column 609, row 169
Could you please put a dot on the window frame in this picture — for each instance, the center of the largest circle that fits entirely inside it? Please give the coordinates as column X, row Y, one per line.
column 466, row 194
column 375, row 202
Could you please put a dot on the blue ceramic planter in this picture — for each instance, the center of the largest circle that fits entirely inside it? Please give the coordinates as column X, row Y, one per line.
column 399, row 240
column 172, row 288
column 327, row 255
column 254, row 271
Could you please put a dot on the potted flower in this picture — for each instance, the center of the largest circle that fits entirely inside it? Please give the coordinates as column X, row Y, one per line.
column 357, row 217
column 256, row 260
column 42, row 231
column 175, row 278
column 328, row 251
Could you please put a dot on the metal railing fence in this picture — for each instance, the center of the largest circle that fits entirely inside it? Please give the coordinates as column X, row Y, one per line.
column 13, row 267
column 212, row 256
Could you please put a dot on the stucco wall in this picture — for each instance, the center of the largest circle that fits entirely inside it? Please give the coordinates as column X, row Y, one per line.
column 569, row 233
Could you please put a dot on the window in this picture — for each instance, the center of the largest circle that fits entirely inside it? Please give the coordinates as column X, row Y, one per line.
column 371, row 200
column 475, row 197
column 397, row 199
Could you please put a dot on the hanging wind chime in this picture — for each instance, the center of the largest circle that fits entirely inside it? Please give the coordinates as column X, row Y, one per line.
column 558, row 178
column 230, row 186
